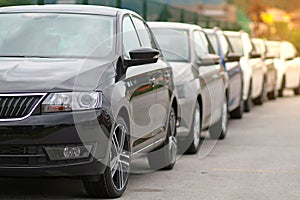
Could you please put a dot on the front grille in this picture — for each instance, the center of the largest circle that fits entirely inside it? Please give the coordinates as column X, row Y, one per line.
column 14, row 150
column 32, row 156
column 16, row 107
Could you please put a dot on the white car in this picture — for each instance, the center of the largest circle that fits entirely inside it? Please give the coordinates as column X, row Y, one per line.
column 253, row 68
column 270, row 70
column 287, row 64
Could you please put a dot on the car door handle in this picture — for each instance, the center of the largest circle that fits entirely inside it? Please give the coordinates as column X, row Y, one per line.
column 152, row 81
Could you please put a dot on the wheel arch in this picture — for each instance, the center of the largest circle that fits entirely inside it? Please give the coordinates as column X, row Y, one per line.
column 200, row 102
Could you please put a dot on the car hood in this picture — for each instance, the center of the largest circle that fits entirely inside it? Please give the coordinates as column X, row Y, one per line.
column 52, row 75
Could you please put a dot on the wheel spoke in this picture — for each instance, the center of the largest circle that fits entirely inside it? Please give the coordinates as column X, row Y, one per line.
column 124, row 154
column 122, row 140
column 114, row 170
column 113, row 163
column 122, row 162
column 115, row 142
column 121, row 178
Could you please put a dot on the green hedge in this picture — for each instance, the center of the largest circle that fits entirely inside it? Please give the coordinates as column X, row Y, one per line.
column 14, row 2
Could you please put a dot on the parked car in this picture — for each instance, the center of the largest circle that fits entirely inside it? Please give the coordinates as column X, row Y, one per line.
column 79, row 102
column 252, row 66
column 230, row 62
column 198, row 79
column 287, row 64
column 270, row 70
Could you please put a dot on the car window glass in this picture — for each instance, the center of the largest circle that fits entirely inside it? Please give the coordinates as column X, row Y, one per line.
column 130, row 37
column 174, row 43
column 237, row 44
column 201, row 44
column 273, row 49
column 56, row 35
column 143, row 32
column 213, row 40
column 224, row 44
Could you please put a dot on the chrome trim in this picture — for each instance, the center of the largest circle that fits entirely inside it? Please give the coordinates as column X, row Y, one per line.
column 22, row 95
column 146, row 147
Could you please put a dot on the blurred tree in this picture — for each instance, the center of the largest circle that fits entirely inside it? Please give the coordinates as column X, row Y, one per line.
column 289, row 5
column 255, row 12
column 14, row 2
column 295, row 38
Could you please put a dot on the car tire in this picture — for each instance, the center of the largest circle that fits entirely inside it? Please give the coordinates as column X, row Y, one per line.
column 238, row 112
column 280, row 91
column 195, row 133
column 165, row 157
column 113, row 182
column 219, row 130
column 248, row 102
column 297, row 91
column 272, row 95
column 260, row 100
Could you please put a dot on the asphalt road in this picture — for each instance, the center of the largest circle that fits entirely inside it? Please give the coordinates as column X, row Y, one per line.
column 260, row 159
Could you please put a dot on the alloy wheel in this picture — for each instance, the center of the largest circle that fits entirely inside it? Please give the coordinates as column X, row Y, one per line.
column 172, row 139
column 196, row 128
column 120, row 157
column 224, row 116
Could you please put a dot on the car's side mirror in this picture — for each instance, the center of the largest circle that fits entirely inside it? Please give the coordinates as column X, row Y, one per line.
column 255, row 55
column 142, row 56
column 209, row 59
column 233, row 57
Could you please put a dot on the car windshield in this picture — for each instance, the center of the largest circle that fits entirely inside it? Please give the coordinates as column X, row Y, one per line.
column 236, row 43
column 56, row 35
column 174, row 44
column 273, row 49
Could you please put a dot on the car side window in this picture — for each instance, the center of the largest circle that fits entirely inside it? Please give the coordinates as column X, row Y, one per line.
column 224, row 44
column 143, row 32
column 200, row 43
column 130, row 38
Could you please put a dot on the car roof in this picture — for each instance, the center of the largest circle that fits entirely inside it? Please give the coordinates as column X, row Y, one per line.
column 233, row 33
column 173, row 25
column 78, row 9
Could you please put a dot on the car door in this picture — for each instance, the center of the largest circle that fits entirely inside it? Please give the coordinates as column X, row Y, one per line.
column 211, row 79
column 140, row 91
column 292, row 66
column 257, row 65
column 234, row 71
column 162, row 74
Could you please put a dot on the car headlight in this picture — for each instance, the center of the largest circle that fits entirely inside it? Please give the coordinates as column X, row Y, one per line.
column 72, row 101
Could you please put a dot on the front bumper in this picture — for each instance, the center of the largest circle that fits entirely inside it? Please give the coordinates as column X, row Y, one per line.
column 23, row 143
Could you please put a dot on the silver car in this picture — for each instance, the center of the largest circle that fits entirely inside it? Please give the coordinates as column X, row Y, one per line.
column 199, row 80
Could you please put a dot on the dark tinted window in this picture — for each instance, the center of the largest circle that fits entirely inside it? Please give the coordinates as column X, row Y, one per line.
column 56, row 35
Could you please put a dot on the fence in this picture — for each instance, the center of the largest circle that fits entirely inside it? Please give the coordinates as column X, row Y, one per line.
column 150, row 10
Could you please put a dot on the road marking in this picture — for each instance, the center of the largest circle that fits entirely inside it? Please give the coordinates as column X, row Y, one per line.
column 255, row 171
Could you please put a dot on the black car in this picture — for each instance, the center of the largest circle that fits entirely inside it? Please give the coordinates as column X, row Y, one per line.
column 83, row 90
